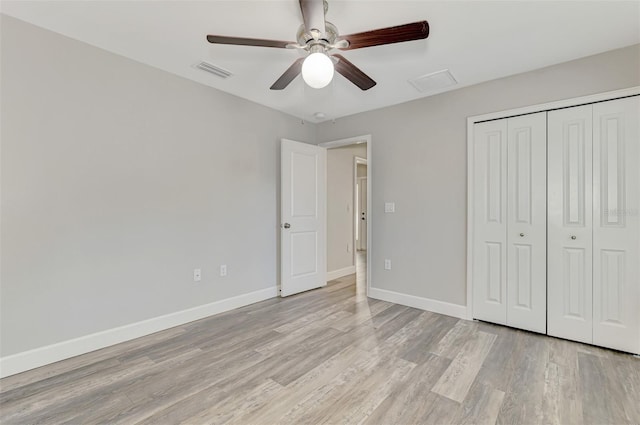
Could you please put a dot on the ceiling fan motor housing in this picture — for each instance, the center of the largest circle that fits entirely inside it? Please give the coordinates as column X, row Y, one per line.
column 305, row 37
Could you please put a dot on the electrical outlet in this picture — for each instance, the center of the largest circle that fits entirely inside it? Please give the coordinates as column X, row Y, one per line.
column 223, row 270
column 387, row 264
column 389, row 207
column 197, row 275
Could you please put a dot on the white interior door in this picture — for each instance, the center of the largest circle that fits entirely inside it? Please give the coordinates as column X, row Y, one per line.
column 616, row 224
column 303, row 217
column 490, row 221
column 527, row 222
column 362, row 213
column 570, row 227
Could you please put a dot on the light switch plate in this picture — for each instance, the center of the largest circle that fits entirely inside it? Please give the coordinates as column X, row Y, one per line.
column 389, row 207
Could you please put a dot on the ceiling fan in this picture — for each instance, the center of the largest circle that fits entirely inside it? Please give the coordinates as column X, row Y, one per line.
column 319, row 38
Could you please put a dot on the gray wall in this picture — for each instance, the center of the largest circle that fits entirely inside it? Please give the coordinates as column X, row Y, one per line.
column 117, row 181
column 419, row 161
column 340, row 196
column 362, row 170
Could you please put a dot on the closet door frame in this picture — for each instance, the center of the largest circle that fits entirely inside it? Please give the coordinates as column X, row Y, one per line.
column 471, row 121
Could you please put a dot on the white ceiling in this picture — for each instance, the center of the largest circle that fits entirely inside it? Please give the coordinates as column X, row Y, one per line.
column 476, row 40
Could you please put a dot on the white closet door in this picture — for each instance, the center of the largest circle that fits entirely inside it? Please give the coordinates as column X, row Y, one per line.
column 569, row 249
column 527, row 222
column 616, row 224
column 490, row 221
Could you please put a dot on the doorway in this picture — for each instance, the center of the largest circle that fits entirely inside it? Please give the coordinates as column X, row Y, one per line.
column 348, row 206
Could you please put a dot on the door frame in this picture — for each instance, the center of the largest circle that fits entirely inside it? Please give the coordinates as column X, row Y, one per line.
column 354, row 141
column 358, row 161
column 542, row 107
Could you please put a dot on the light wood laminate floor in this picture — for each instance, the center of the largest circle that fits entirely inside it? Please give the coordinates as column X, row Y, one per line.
column 332, row 356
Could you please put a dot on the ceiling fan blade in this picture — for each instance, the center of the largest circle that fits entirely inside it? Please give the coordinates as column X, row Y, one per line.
column 353, row 73
column 289, row 75
column 313, row 15
column 240, row 41
column 397, row 34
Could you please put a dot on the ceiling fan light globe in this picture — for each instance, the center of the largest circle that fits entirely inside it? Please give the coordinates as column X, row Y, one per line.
column 317, row 70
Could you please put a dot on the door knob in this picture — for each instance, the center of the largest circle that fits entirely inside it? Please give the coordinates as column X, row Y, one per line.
column 286, row 225
column 573, row 237
column 522, row 235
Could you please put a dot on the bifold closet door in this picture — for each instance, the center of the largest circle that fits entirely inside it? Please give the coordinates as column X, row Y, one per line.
column 509, row 208
column 490, row 221
column 527, row 222
column 616, row 224
column 594, row 224
column 569, row 249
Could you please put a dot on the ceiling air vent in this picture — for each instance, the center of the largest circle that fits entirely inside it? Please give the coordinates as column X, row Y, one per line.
column 212, row 69
column 434, row 81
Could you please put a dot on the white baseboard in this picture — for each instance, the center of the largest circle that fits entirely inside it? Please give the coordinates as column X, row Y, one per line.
column 336, row 274
column 20, row 362
column 441, row 307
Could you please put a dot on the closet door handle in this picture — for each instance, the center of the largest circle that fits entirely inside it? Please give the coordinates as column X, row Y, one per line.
column 522, row 235
column 573, row 237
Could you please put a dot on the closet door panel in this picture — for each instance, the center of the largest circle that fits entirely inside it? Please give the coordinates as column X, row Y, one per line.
column 616, row 224
column 490, row 221
column 569, row 239
column 527, row 222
